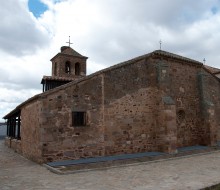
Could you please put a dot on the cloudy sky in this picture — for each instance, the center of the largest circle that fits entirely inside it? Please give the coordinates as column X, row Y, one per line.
column 107, row 31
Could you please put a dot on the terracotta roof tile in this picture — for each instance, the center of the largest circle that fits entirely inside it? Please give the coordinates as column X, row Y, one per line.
column 175, row 56
column 212, row 69
column 68, row 51
column 57, row 78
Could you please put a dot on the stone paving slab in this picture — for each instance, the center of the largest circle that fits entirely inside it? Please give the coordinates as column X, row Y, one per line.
column 191, row 148
column 194, row 172
column 124, row 157
column 99, row 163
column 104, row 159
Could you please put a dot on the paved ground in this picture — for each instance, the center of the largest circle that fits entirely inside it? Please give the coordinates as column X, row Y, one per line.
column 196, row 172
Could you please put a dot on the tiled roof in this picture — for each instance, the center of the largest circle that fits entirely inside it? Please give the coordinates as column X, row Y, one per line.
column 175, row 56
column 57, row 78
column 68, row 51
column 212, row 69
column 157, row 52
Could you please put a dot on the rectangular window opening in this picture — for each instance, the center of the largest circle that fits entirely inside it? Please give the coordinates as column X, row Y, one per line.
column 79, row 119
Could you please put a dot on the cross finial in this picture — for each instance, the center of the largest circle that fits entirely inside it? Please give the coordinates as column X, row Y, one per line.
column 69, row 42
column 160, row 44
column 204, row 60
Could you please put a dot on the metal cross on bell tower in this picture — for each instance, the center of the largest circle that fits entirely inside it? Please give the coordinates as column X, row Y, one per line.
column 160, row 44
column 69, row 42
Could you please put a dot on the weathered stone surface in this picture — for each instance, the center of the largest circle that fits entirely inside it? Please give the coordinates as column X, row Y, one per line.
column 156, row 102
column 30, row 131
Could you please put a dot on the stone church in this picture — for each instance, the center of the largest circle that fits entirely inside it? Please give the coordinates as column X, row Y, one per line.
column 156, row 102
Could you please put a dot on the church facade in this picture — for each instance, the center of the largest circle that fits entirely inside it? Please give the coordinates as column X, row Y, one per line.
column 156, row 102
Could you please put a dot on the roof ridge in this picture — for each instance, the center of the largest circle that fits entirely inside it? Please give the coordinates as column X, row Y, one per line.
column 73, row 52
column 68, row 51
column 212, row 69
column 176, row 56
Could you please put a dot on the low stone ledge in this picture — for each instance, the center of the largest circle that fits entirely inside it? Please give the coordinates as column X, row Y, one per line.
column 14, row 144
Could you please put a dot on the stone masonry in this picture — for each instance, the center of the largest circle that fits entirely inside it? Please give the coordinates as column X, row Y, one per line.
column 156, row 102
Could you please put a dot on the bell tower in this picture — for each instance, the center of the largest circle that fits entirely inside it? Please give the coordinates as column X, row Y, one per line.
column 68, row 65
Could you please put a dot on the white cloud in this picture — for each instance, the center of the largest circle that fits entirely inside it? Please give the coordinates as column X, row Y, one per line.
column 20, row 33
column 107, row 32
column 126, row 28
column 10, row 98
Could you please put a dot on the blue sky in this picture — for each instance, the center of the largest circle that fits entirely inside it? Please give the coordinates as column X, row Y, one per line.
column 37, row 7
column 214, row 10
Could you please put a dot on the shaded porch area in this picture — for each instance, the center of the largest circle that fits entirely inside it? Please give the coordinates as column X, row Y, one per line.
column 13, row 138
column 14, row 124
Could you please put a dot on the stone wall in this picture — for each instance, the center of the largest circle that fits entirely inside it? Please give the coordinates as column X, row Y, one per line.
column 154, row 104
column 180, row 81
column 60, row 61
column 184, row 89
column 210, row 104
column 30, row 131
column 131, row 109
column 60, row 139
column 14, row 144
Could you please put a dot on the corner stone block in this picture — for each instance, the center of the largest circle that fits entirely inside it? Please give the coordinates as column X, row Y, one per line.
column 169, row 115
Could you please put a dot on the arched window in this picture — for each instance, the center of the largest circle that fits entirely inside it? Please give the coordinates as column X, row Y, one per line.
column 77, row 69
column 67, row 67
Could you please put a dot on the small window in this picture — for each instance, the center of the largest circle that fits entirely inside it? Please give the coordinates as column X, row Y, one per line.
column 181, row 115
column 77, row 69
column 67, row 67
column 79, row 118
